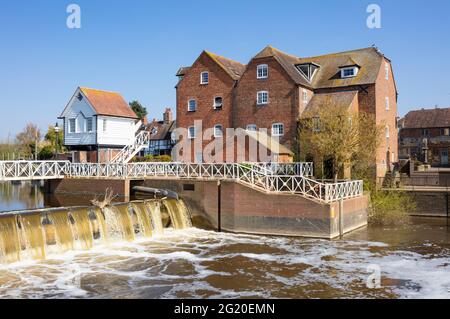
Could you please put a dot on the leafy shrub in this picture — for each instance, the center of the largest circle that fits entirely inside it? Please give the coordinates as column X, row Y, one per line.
column 46, row 153
column 390, row 207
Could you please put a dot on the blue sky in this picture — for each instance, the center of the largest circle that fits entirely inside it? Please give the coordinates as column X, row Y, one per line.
column 135, row 47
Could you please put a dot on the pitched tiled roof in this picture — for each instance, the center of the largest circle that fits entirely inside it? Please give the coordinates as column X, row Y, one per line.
column 438, row 117
column 287, row 61
column 369, row 61
column 233, row 68
column 108, row 103
column 328, row 76
column 162, row 130
column 337, row 99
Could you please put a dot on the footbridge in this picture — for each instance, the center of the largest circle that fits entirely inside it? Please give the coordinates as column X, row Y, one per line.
column 282, row 178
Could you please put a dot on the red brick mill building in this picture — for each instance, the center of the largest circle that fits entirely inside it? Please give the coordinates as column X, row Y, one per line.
column 274, row 88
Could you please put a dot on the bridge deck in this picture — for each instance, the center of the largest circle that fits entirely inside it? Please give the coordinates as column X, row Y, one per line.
column 292, row 178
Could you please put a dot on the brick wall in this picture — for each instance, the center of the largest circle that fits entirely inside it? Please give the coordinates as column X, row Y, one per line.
column 220, row 84
column 283, row 107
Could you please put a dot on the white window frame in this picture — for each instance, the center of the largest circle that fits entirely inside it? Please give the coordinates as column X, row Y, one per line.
column 355, row 72
column 75, row 126
column 251, row 128
column 190, row 135
column 262, row 101
column 217, row 126
column 91, row 120
column 262, row 68
column 189, row 105
column 387, row 103
column 277, row 133
column 388, row 133
column 215, row 106
column 305, row 96
column 201, row 78
column 386, row 70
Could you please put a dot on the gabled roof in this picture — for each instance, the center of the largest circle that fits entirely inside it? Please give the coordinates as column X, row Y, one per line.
column 163, row 130
column 108, row 103
column 233, row 68
column 287, row 61
column 430, row 118
column 369, row 61
column 337, row 99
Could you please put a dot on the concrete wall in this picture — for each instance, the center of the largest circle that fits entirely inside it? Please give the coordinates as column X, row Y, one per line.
column 245, row 210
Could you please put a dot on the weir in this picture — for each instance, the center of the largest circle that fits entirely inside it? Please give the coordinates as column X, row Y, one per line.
column 34, row 234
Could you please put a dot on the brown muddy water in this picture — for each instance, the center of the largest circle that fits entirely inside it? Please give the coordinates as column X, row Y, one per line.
column 414, row 261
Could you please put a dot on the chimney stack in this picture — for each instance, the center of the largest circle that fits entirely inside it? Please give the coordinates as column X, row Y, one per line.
column 167, row 116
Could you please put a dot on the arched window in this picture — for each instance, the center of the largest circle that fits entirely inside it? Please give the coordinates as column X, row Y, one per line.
column 218, row 101
column 192, row 105
column 278, row 129
column 218, row 130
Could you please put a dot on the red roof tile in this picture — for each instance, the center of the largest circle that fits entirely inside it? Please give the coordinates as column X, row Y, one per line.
column 108, row 103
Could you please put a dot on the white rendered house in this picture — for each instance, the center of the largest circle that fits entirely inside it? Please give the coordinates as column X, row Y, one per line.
column 98, row 125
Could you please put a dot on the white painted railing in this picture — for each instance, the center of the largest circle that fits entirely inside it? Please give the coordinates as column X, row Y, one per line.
column 32, row 170
column 125, row 155
column 269, row 177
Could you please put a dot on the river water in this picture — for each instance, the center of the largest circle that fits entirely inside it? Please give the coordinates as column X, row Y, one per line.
column 413, row 260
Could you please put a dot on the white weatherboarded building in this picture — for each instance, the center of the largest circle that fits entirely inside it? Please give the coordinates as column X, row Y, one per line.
column 98, row 125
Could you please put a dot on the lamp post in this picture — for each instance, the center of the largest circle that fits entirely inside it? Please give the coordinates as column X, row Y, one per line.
column 56, row 139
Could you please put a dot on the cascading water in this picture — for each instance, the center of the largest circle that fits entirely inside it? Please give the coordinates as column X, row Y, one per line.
column 143, row 218
column 35, row 234
column 178, row 213
column 83, row 228
column 9, row 239
column 154, row 207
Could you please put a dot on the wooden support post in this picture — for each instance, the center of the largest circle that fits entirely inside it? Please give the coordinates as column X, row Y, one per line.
column 341, row 218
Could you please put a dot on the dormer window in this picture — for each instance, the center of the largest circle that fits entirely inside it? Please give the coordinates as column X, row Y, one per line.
column 204, row 77
column 218, row 101
column 154, row 131
column 308, row 70
column 349, row 71
column 262, row 71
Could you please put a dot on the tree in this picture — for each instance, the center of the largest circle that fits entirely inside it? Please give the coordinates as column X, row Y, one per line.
column 140, row 111
column 51, row 138
column 349, row 139
column 29, row 140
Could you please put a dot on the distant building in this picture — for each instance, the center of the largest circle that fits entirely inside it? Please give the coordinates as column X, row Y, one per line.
column 98, row 125
column 426, row 132
column 161, row 141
